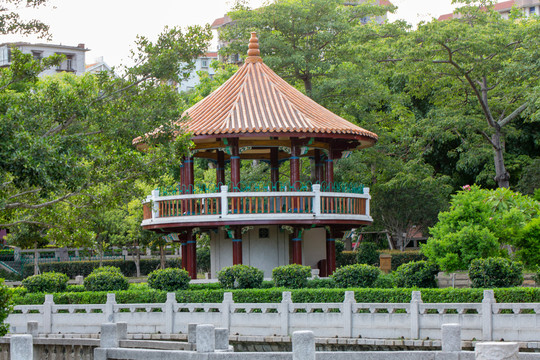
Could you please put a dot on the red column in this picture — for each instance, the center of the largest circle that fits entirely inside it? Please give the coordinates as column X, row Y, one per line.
column 297, row 247
column 274, row 168
column 220, row 169
column 235, row 163
column 191, row 254
column 330, row 253
column 188, row 165
column 237, row 246
column 294, row 162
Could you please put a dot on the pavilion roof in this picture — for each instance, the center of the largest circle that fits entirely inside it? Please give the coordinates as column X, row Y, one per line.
column 255, row 100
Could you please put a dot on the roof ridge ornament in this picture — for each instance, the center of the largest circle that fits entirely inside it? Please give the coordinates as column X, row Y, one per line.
column 253, row 51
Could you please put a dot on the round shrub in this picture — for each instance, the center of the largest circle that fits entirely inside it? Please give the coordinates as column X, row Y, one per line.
column 417, row 274
column 357, row 275
column 367, row 254
column 170, row 279
column 240, row 277
column 47, row 282
column 101, row 269
column 292, row 276
column 101, row 280
column 384, row 281
column 495, row 272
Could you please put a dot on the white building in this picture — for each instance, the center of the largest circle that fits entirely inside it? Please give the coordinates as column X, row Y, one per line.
column 98, row 66
column 201, row 64
column 74, row 62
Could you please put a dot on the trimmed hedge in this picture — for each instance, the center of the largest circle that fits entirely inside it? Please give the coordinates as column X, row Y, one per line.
column 396, row 295
column 48, row 281
column 170, row 279
column 292, row 276
column 84, row 268
column 398, row 257
column 417, row 274
column 106, row 279
column 357, row 275
column 241, row 277
column 495, row 272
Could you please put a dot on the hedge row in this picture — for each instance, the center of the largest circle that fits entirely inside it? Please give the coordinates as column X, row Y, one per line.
column 398, row 257
column 84, row 268
column 449, row 295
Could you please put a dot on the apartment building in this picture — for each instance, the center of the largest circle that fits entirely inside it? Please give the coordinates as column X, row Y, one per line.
column 74, row 62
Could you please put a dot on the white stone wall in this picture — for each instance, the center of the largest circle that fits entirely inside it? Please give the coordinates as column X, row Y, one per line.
column 485, row 321
column 263, row 253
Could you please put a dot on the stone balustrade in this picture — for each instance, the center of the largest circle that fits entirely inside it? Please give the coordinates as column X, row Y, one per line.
column 414, row 320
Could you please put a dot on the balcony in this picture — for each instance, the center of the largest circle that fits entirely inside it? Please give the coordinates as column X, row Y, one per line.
column 257, row 205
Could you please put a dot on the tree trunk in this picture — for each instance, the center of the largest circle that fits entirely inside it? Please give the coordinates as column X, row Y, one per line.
column 36, row 264
column 100, row 247
column 502, row 177
column 162, row 256
column 137, row 259
column 308, row 86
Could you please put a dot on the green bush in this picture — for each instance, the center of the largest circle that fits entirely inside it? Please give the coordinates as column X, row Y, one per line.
column 170, row 279
column 241, row 277
column 84, row 268
column 357, row 275
column 528, row 243
column 318, row 283
column 536, row 276
column 395, row 295
column 5, row 307
column 292, row 276
column 203, row 259
column 112, row 269
column 102, row 280
column 495, row 273
column 345, row 258
column 385, row 281
column 367, row 254
column 403, row 257
column 417, row 274
column 47, row 282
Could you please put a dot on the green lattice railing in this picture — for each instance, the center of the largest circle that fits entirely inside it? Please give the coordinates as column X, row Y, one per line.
column 261, row 186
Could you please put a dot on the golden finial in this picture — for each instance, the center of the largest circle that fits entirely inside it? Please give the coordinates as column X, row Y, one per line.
column 254, row 52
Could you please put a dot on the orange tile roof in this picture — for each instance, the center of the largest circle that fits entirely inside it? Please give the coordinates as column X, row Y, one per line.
column 256, row 100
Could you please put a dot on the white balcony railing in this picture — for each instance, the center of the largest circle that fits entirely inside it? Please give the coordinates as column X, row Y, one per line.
column 276, row 205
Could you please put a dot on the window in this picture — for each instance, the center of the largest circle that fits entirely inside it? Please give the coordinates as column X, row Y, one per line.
column 204, row 63
column 264, row 233
column 532, row 10
column 37, row 55
column 69, row 62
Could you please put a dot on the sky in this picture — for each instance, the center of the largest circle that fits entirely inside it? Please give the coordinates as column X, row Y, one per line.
column 109, row 27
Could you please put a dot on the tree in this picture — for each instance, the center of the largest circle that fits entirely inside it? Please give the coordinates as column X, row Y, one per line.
column 479, row 224
column 11, row 22
column 66, row 138
column 479, row 69
column 412, row 199
column 303, row 39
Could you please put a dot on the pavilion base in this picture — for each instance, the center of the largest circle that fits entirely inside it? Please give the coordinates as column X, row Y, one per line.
column 266, row 247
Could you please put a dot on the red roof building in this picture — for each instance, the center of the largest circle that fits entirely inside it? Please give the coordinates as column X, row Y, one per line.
column 529, row 7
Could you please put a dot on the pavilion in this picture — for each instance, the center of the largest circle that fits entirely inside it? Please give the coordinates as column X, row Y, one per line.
column 256, row 115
